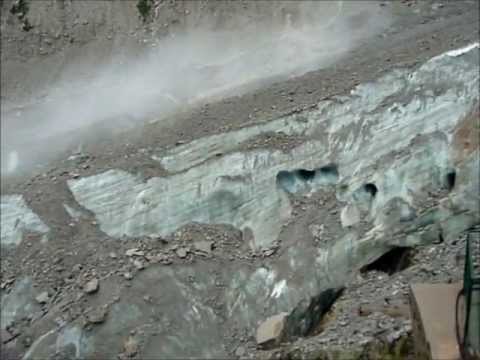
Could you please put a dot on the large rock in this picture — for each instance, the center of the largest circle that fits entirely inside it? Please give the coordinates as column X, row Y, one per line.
column 91, row 286
column 270, row 332
column 350, row 215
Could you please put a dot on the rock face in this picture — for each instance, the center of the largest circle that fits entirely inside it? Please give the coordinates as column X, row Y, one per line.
column 308, row 314
column 301, row 321
column 100, row 26
column 102, row 36
column 394, row 150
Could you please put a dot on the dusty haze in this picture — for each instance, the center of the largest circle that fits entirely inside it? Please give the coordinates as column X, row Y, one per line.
column 181, row 70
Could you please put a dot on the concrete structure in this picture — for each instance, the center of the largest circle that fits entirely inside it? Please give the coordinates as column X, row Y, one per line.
column 433, row 317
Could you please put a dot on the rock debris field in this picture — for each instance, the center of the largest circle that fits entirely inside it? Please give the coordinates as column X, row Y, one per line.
column 268, row 212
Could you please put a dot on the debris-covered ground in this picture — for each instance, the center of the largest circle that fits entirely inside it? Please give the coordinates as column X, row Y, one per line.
column 374, row 308
column 177, row 237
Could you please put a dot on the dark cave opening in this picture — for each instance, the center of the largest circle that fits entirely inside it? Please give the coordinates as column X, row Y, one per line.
column 300, row 180
column 306, row 175
column 329, row 170
column 450, row 180
column 395, row 260
column 371, row 188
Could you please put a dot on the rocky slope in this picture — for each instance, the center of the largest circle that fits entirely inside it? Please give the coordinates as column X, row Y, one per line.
column 177, row 242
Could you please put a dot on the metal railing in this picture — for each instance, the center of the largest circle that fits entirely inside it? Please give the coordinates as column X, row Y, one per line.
column 468, row 300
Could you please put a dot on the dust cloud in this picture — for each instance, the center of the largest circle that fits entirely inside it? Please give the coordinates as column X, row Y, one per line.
column 181, row 71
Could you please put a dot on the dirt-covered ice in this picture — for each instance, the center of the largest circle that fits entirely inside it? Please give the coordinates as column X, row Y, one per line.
column 176, row 71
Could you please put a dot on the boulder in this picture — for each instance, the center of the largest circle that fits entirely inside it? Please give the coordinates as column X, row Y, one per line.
column 270, row 332
column 91, row 286
column 42, row 298
column 349, row 216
